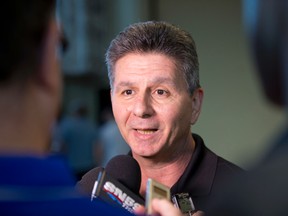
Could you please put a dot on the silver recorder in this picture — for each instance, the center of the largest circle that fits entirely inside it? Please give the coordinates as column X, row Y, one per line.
column 155, row 190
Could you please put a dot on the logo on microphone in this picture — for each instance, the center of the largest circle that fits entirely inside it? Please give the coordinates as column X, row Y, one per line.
column 117, row 195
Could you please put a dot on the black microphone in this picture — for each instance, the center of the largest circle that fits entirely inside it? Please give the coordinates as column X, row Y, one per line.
column 117, row 184
column 85, row 185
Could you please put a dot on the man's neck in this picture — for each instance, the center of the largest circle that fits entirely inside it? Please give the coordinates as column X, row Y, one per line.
column 19, row 128
column 166, row 172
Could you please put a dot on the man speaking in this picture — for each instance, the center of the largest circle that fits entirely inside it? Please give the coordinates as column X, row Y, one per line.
column 156, row 96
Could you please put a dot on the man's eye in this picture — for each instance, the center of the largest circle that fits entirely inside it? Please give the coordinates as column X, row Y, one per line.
column 127, row 92
column 160, row 92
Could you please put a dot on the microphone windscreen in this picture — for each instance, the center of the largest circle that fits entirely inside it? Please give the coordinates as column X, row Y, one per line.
column 86, row 184
column 126, row 170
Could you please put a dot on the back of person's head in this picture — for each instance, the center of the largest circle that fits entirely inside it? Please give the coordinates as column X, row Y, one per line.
column 161, row 38
column 24, row 24
column 266, row 22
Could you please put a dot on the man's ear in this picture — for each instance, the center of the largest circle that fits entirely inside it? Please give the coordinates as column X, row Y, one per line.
column 48, row 67
column 197, row 99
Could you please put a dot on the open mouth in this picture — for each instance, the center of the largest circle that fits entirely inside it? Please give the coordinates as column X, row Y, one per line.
column 146, row 131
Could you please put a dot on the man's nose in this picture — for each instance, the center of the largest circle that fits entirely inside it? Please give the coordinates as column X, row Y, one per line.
column 143, row 107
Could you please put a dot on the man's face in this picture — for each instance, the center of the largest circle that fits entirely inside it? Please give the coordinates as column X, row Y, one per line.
column 151, row 104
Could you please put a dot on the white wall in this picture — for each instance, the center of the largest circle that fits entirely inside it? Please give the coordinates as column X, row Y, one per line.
column 237, row 122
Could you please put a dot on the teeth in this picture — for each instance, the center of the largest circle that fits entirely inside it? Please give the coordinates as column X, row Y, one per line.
column 146, row 131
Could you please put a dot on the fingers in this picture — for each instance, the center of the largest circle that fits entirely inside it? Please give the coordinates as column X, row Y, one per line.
column 198, row 213
column 140, row 210
column 165, row 208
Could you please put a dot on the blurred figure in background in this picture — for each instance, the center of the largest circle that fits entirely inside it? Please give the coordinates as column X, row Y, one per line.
column 112, row 142
column 76, row 137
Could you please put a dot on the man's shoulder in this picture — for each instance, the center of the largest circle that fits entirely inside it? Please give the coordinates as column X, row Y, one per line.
column 229, row 166
column 225, row 167
column 222, row 163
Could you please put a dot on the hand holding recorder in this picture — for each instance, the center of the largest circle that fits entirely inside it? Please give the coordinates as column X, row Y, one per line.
column 164, row 207
column 158, row 202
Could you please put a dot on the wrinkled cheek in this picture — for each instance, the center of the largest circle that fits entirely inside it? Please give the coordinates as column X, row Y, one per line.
column 121, row 118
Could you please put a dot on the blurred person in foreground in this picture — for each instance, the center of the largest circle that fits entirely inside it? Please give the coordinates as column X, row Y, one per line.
column 156, row 96
column 31, row 182
column 264, row 190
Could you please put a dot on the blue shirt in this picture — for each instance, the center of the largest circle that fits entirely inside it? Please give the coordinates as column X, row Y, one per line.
column 32, row 185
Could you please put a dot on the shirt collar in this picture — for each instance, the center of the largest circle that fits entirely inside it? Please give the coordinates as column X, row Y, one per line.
column 198, row 177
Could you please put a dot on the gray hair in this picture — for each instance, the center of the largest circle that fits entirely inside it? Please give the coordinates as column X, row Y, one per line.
column 156, row 37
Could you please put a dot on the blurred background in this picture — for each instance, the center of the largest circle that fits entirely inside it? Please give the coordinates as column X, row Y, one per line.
column 236, row 120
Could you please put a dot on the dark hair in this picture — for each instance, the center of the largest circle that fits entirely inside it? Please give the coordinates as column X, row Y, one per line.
column 23, row 24
column 157, row 37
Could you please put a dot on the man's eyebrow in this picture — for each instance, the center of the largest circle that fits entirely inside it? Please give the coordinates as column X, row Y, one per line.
column 157, row 81
column 160, row 80
column 122, row 84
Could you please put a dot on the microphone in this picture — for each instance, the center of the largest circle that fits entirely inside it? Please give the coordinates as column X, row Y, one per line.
column 85, row 185
column 117, row 184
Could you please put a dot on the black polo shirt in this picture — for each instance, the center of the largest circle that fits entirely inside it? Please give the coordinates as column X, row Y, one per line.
column 205, row 176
